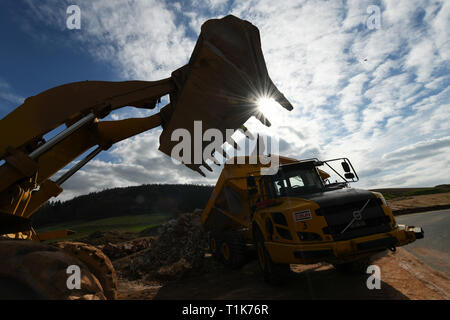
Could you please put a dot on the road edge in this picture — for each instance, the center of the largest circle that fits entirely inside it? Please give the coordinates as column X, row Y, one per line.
column 420, row 209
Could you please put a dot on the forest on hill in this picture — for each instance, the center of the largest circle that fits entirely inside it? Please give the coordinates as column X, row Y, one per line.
column 167, row 199
column 170, row 199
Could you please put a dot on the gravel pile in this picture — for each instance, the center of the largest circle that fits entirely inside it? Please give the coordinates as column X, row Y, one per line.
column 120, row 250
column 180, row 247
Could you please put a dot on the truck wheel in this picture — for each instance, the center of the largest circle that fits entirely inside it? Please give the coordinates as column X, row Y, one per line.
column 274, row 273
column 354, row 267
column 97, row 262
column 232, row 249
column 214, row 245
column 33, row 270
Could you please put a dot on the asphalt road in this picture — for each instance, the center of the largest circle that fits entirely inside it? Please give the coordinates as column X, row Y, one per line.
column 434, row 248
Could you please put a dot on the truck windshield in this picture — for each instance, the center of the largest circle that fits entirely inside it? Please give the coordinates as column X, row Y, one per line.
column 295, row 180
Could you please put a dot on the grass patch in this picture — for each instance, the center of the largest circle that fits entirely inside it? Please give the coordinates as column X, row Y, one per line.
column 134, row 224
column 392, row 193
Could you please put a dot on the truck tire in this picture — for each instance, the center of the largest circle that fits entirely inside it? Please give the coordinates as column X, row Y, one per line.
column 97, row 262
column 214, row 245
column 232, row 249
column 354, row 267
column 33, row 270
column 274, row 273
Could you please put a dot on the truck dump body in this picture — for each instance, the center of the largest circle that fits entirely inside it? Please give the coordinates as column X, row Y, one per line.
column 232, row 181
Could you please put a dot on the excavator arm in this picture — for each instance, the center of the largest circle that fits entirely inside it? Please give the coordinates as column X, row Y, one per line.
column 220, row 85
column 30, row 162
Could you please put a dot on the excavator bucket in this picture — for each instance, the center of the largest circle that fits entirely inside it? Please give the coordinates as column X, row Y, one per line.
column 220, row 86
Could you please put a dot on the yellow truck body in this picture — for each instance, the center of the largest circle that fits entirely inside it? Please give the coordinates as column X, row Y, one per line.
column 315, row 221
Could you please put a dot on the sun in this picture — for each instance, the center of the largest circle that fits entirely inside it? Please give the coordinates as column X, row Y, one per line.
column 270, row 108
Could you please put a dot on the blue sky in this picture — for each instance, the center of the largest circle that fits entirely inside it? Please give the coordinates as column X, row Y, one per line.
column 33, row 58
column 377, row 95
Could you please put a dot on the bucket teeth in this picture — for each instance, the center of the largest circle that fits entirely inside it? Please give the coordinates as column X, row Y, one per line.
column 197, row 169
column 207, row 167
column 281, row 99
column 214, row 160
column 233, row 143
column 262, row 118
column 247, row 133
column 222, row 152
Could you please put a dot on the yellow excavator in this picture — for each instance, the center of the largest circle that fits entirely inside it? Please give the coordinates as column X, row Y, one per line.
column 219, row 86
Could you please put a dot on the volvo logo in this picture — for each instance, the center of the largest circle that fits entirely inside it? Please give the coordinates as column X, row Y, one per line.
column 357, row 216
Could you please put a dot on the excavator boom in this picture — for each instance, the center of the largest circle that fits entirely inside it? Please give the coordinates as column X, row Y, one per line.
column 220, row 86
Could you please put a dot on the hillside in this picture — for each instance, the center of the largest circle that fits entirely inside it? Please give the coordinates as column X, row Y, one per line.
column 392, row 193
column 168, row 199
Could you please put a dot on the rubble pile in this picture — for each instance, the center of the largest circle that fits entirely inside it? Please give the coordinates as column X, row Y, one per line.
column 119, row 250
column 98, row 238
column 180, row 246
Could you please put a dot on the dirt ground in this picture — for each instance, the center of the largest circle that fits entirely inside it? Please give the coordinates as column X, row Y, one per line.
column 422, row 201
column 403, row 277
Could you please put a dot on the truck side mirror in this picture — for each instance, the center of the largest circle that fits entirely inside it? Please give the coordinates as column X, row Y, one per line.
column 346, row 167
column 349, row 175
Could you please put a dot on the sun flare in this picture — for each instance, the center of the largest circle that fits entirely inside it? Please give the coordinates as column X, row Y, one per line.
column 270, row 108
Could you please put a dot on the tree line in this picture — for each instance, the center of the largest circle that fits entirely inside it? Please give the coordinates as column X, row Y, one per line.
column 170, row 199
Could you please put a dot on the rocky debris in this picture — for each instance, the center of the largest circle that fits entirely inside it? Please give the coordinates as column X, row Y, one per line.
column 98, row 238
column 120, row 250
column 180, row 247
column 86, row 297
column 137, row 290
column 174, row 270
column 150, row 231
column 32, row 270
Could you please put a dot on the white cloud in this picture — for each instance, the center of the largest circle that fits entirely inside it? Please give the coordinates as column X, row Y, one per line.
column 421, row 150
column 141, row 38
column 421, row 57
column 360, row 93
column 8, row 98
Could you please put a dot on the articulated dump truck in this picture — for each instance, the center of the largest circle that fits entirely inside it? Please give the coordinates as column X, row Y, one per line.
column 298, row 216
